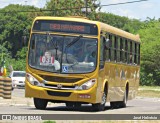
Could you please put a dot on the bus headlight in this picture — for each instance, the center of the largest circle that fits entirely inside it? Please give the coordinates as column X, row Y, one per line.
column 87, row 85
column 33, row 80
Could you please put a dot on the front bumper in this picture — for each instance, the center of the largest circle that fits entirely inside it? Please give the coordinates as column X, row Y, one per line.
column 86, row 96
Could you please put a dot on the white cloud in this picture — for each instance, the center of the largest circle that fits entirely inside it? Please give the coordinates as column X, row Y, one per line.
column 37, row 3
column 113, row 1
column 147, row 6
column 123, row 12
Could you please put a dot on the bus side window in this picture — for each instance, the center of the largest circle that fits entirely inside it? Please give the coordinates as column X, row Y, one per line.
column 133, row 52
column 130, row 57
column 110, row 46
column 118, row 49
column 138, row 52
column 102, row 52
column 115, row 48
column 126, row 50
column 121, row 50
column 135, row 55
column 107, row 47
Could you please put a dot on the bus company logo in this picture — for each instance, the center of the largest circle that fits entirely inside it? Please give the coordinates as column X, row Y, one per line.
column 6, row 117
column 59, row 86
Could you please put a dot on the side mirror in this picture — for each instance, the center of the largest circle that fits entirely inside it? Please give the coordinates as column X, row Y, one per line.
column 24, row 37
column 107, row 43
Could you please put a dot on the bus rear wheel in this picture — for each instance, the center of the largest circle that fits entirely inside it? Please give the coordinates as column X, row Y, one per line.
column 120, row 104
column 101, row 106
column 40, row 103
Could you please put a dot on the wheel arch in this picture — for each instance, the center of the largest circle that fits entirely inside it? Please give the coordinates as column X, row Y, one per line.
column 105, row 86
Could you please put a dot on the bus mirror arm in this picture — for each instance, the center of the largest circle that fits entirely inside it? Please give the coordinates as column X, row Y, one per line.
column 24, row 40
column 24, row 37
column 101, row 65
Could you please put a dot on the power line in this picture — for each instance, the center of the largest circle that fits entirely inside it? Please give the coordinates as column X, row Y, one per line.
column 124, row 3
column 41, row 10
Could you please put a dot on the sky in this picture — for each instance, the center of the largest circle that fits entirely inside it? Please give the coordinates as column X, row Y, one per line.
column 139, row 10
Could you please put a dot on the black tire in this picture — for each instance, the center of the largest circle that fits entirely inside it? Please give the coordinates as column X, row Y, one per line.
column 73, row 105
column 77, row 105
column 114, row 105
column 101, row 106
column 69, row 105
column 120, row 104
column 40, row 103
column 123, row 104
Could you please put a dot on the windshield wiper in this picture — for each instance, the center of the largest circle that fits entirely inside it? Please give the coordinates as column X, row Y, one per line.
column 74, row 41
column 76, row 63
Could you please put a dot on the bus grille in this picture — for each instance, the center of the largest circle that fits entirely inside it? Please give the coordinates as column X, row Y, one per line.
column 60, row 79
column 63, row 87
column 61, row 94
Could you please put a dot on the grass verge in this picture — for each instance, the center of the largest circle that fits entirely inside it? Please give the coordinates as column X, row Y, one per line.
column 149, row 91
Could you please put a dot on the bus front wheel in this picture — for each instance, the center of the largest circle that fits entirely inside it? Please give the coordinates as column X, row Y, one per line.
column 40, row 103
column 101, row 106
column 73, row 105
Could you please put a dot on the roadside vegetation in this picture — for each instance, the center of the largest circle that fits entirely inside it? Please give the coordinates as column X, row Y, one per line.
column 14, row 26
column 149, row 91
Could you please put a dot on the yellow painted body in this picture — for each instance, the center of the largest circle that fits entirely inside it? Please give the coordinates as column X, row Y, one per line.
column 111, row 74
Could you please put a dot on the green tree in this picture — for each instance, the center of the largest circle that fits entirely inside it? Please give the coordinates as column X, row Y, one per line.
column 13, row 24
column 19, row 63
column 124, row 23
column 150, row 53
column 71, row 8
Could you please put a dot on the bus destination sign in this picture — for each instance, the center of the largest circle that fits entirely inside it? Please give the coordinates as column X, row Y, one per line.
column 65, row 27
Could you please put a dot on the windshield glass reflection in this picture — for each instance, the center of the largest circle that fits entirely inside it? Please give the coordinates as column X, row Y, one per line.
column 64, row 54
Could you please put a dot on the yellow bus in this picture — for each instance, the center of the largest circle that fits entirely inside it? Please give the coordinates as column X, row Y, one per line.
column 76, row 61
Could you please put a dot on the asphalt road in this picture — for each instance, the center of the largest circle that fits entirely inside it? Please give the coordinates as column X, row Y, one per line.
column 21, row 105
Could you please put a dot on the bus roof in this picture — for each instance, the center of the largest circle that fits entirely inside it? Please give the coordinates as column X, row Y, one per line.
column 103, row 26
column 119, row 32
column 76, row 19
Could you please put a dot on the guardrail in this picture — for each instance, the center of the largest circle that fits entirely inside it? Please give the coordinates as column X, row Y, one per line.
column 5, row 87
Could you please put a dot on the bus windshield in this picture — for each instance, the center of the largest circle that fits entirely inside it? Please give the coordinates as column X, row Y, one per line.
column 63, row 54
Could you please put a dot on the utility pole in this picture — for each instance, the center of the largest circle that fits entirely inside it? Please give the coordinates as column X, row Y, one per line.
column 86, row 5
column 25, row 2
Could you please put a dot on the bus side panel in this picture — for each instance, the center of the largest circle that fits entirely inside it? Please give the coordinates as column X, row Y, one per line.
column 133, row 81
column 116, row 89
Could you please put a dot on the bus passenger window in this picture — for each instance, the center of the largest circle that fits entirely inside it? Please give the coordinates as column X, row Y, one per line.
column 135, row 56
column 102, row 52
column 115, row 48
column 126, row 50
column 121, row 49
column 130, row 58
column 138, row 51
column 130, row 52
